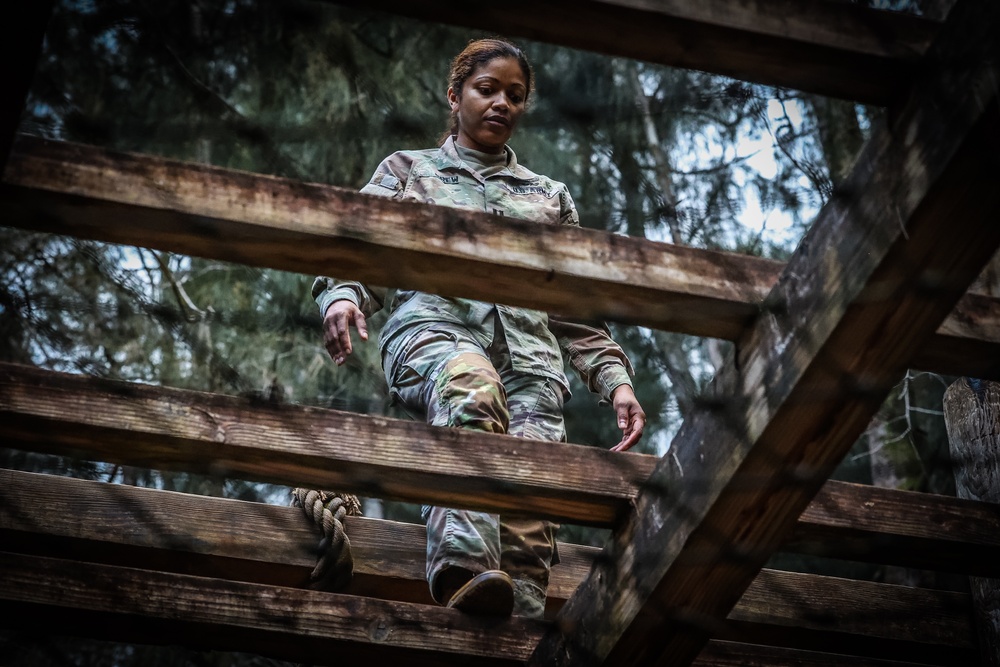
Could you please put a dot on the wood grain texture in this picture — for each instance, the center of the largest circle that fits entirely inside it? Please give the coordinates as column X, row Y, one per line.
column 284, row 224
column 835, row 49
column 266, row 221
column 733, row 654
column 170, row 428
column 312, row 626
column 972, row 417
column 876, row 274
column 126, row 604
column 253, row 542
column 889, row 526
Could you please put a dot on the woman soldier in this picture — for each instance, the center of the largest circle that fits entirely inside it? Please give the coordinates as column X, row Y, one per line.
column 469, row 364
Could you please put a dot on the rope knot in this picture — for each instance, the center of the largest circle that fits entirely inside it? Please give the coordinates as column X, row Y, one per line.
column 327, row 510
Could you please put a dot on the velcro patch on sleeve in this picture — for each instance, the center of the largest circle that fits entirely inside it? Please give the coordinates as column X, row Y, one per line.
column 386, row 181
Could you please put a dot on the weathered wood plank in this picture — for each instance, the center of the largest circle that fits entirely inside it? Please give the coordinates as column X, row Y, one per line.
column 129, row 526
column 877, row 273
column 126, row 604
column 972, row 417
column 888, row 526
column 149, row 201
column 835, row 49
column 293, row 624
column 731, row 654
column 62, row 414
column 967, row 342
column 261, row 220
column 171, row 429
column 21, row 33
column 856, row 617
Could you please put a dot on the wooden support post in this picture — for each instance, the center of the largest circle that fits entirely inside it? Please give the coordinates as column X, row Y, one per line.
column 21, row 33
column 972, row 416
column 830, row 48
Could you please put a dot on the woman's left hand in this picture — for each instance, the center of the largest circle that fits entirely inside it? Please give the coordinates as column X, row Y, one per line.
column 631, row 418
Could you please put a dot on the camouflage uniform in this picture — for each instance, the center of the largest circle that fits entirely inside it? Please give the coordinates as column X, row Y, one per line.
column 491, row 367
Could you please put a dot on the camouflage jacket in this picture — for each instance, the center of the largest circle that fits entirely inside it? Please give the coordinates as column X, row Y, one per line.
column 440, row 176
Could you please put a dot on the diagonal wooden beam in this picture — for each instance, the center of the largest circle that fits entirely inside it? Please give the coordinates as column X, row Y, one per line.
column 149, row 201
column 877, row 273
column 835, row 49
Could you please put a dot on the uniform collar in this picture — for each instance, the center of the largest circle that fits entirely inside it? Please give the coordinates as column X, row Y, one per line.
column 448, row 157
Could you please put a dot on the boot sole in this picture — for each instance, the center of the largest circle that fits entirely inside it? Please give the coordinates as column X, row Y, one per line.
column 490, row 593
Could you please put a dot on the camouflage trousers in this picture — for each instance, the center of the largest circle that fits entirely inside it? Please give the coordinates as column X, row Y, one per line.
column 445, row 375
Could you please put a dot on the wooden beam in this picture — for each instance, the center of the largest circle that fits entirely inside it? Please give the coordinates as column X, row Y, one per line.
column 284, row 224
column 967, row 343
column 21, row 34
column 821, row 613
column 877, row 273
column 731, row 654
column 169, row 428
column 149, row 201
column 972, row 417
column 135, row 527
column 129, row 604
column 893, row 527
column 834, row 49
column 137, row 605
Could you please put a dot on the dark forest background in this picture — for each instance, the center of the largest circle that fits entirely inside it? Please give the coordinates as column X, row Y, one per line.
column 312, row 91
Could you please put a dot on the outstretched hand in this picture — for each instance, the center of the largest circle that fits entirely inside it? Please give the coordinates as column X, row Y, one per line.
column 337, row 323
column 631, row 418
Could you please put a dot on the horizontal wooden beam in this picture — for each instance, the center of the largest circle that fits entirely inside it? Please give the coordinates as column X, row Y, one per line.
column 147, row 606
column 171, row 429
column 732, row 654
column 830, row 48
column 261, row 220
column 308, row 228
column 876, row 274
column 138, row 605
column 160, row 530
column 287, row 444
column 905, row 528
column 967, row 343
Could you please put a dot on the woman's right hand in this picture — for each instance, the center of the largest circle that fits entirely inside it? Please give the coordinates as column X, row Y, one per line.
column 337, row 322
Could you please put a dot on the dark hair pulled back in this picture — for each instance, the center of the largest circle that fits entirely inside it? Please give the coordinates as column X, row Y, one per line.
column 479, row 52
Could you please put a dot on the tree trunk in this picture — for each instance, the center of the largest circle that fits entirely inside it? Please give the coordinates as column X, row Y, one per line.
column 972, row 415
column 839, row 134
column 661, row 164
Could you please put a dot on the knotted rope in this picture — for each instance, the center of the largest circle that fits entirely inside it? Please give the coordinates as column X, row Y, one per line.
column 327, row 510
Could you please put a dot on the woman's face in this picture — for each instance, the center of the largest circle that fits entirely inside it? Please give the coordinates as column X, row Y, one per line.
column 490, row 104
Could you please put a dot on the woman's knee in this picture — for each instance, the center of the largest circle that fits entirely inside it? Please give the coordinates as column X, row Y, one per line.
column 468, row 393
